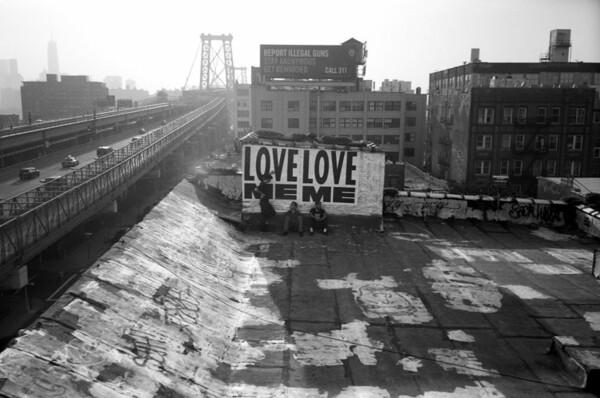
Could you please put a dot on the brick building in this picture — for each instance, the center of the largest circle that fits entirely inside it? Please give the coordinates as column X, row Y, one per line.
column 516, row 121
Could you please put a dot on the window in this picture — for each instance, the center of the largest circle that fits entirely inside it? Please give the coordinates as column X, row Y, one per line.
column 507, row 116
column 576, row 115
column 410, row 121
column 411, row 106
column 566, row 77
column 391, row 123
column 392, row 105
column 521, row 115
column 541, row 114
column 328, row 106
column 293, row 123
column 555, row 116
column 345, row 122
column 505, row 142
column 358, row 123
column 409, row 137
column 482, row 167
column 266, row 122
column 540, row 142
column 243, row 113
column 375, row 105
column 293, row 106
column 537, row 168
column 243, row 124
column 520, row 142
column 553, row 142
column 358, row 106
column 551, row 168
column 573, row 168
column 312, row 106
column 485, row 116
column 266, row 106
column 596, row 152
column 483, row 141
column 409, row 152
column 574, row 142
column 391, row 139
column 518, row 167
column 345, row 106
column 596, row 117
column 242, row 104
column 376, row 139
column 328, row 122
column 504, row 164
column 376, row 123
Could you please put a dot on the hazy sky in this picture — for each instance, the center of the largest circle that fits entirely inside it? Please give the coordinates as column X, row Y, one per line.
column 154, row 42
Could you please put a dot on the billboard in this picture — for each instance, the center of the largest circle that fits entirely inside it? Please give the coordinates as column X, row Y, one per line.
column 348, row 181
column 308, row 62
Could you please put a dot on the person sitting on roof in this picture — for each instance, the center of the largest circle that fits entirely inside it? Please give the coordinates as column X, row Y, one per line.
column 318, row 218
column 293, row 219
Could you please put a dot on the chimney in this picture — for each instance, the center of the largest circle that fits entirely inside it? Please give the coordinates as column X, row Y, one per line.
column 475, row 55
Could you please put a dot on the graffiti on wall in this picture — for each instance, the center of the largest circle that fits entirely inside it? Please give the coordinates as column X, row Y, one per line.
column 518, row 211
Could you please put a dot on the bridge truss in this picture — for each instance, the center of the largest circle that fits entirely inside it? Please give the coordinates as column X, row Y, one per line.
column 32, row 221
column 216, row 62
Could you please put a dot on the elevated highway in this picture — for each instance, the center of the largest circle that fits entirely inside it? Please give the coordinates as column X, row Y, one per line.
column 28, row 142
column 32, row 221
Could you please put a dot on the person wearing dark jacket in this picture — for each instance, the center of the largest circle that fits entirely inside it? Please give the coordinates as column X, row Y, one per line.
column 318, row 218
column 266, row 209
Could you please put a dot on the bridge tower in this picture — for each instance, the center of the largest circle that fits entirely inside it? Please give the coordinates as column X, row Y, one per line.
column 216, row 62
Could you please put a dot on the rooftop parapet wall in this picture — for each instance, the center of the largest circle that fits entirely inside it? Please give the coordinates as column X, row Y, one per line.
column 588, row 220
column 445, row 206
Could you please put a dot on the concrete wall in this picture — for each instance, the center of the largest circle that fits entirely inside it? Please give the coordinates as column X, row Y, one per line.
column 351, row 180
column 588, row 220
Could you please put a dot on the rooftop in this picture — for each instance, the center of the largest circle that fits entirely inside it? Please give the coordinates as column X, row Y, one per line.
column 187, row 305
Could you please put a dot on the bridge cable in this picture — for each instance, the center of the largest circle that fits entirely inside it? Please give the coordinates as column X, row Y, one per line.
column 192, row 67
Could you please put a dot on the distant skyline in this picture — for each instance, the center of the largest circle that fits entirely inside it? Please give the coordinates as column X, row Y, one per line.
column 154, row 43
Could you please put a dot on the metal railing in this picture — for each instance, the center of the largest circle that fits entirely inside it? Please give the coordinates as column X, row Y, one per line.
column 32, row 221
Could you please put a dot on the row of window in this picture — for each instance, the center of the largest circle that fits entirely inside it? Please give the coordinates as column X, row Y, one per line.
column 331, row 122
column 486, row 115
column 574, row 142
column 344, row 106
column 571, row 167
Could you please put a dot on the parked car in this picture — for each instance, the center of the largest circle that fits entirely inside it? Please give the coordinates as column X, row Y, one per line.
column 27, row 173
column 137, row 137
column 69, row 161
column 103, row 150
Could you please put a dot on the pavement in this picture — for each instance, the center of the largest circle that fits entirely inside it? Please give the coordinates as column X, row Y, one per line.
column 187, row 305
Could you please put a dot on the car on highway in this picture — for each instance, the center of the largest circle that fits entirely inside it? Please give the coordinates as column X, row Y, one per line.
column 103, row 150
column 46, row 180
column 137, row 137
column 27, row 173
column 69, row 161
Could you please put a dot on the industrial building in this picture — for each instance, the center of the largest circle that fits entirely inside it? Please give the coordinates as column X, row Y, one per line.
column 67, row 97
column 495, row 127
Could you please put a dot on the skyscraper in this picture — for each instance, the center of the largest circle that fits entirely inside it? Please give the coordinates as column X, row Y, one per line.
column 52, row 58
